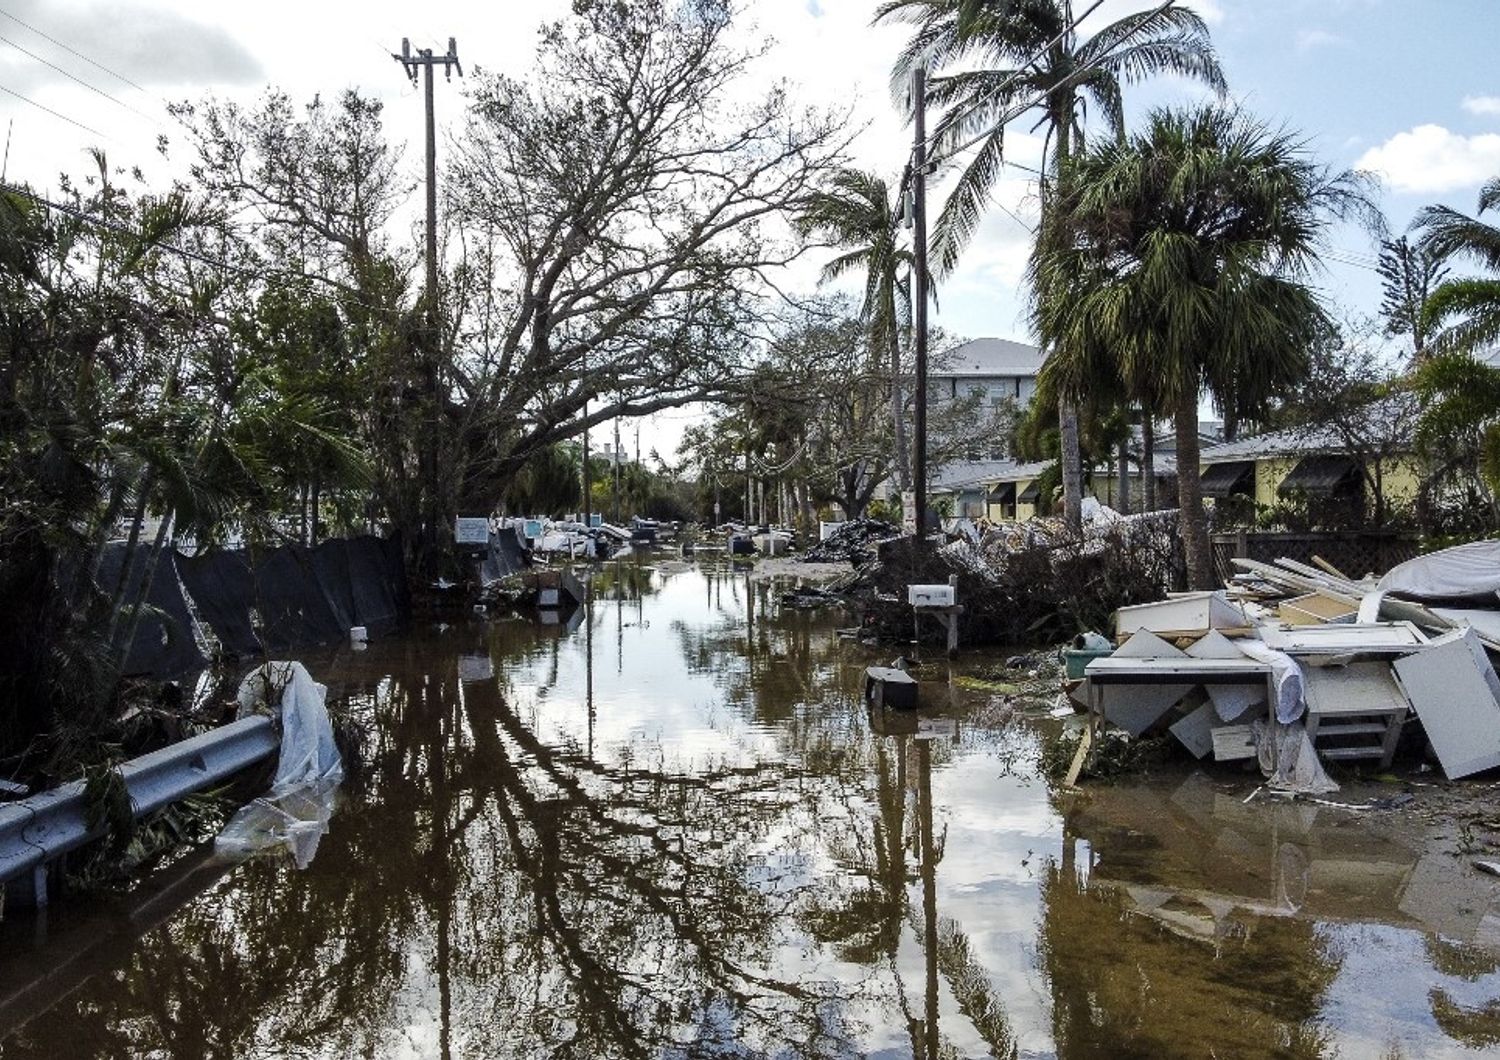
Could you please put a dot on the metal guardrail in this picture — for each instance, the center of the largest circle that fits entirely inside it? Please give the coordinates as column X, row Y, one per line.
column 42, row 828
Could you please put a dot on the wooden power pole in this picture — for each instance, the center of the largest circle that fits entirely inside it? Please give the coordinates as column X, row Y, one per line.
column 424, row 59
column 919, row 292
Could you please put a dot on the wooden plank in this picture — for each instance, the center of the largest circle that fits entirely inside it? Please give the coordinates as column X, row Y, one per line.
column 1085, row 742
column 1323, row 564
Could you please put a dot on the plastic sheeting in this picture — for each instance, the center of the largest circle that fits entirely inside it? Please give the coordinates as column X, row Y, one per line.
column 1288, row 760
column 1463, row 572
column 293, row 816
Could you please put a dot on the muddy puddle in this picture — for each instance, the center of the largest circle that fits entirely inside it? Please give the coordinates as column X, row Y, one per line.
column 669, row 828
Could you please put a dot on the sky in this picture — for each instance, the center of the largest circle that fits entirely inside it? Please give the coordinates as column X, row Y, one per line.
column 1407, row 89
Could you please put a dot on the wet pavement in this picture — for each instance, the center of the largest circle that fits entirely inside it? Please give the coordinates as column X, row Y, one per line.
column 670, row 828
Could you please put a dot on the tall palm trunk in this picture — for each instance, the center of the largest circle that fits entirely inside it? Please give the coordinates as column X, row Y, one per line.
column 1192, row 522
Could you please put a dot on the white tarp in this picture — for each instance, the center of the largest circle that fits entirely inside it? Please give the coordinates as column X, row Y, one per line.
column 1287, row 675
column 1466, row 570
column 294, row 814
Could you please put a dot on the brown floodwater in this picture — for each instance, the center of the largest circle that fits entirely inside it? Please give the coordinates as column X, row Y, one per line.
column 671, row 828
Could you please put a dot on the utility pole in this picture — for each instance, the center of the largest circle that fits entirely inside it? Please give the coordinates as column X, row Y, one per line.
column 617, row 471
column 919, row 292
column 425, row 60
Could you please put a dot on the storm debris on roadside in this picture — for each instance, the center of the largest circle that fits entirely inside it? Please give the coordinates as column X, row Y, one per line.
column 1296, row 666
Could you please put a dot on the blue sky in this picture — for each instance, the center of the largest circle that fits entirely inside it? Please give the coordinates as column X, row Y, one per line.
column 1378, row 83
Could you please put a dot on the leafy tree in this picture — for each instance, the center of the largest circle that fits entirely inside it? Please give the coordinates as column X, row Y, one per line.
column 1353, row 395
column 999, row 59
column 1189, row 247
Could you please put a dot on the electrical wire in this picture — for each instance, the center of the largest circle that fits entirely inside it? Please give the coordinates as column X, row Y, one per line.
column 55, row 113
column 76, row 79
column 74, row 51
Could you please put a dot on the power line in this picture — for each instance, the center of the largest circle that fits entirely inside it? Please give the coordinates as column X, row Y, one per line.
column 75, row 52
column 75, row 78
column 54, row 113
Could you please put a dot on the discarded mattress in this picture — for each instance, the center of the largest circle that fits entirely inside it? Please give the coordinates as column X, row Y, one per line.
column 1465, row 572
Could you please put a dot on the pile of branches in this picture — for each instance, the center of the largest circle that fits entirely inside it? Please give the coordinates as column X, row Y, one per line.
column 1036, row 586
column 855, row 541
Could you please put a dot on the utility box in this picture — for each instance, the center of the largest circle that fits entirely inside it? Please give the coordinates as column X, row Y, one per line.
column 931, row 595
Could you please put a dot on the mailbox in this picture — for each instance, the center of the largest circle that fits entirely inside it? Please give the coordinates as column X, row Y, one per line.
column 930, row 595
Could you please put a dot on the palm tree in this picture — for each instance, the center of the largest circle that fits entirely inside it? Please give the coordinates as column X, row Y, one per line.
column 1188, row 251
column 856, row 213
column 1447, row 233
column 1000, row 58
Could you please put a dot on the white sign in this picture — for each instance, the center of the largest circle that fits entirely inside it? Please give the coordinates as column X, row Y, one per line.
column 908, row 511
column 471, row 531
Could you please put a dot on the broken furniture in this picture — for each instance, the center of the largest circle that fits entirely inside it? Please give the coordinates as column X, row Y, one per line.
column 1183, row 615
column 1165, row 681
column 1357, row 710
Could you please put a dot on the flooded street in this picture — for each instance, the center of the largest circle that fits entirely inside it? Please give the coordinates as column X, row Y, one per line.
column 671, row 829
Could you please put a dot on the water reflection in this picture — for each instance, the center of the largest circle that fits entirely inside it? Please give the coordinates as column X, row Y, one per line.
column 676, row 830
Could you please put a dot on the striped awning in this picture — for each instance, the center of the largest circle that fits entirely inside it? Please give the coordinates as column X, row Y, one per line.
column 1323, row 474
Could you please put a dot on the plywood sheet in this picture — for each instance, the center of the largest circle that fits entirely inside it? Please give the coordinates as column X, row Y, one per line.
column 1195, row 731
column 1452, row 687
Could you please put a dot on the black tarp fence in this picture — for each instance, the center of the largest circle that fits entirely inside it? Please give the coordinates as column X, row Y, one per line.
column 164, row 643
column 257, row 601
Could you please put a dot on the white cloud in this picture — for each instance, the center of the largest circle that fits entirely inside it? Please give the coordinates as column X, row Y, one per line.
column 1309, row 39
column 1430, row 158
column 1486, row 105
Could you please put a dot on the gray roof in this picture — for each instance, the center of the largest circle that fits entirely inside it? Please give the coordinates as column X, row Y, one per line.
column 1290, row 442
column 988, row 357
column 961, row 473
column 1308, row 440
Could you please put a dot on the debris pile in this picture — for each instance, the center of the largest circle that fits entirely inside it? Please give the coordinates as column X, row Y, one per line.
column 1294, row 665
column 854, row 541
column 1026, row 584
